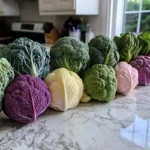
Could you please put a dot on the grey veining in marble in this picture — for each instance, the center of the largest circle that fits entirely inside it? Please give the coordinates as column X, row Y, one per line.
column 122, row 124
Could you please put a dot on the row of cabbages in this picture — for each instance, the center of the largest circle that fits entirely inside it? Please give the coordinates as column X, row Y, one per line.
column 79, row 73
column 104, row 64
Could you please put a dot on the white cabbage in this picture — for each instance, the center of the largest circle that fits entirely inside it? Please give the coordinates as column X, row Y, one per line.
column 66, row 89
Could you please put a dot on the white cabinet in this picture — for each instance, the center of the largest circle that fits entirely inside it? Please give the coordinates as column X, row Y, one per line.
column 56, row 5
column 9, row 8
column 47, row 5
column 69, row 7
column 64, row 5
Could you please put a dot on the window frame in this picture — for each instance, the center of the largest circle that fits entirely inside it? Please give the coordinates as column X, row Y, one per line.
column 139, row 12
column 119, row 12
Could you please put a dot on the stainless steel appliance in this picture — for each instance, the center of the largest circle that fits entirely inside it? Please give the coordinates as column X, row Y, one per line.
column 30, row 30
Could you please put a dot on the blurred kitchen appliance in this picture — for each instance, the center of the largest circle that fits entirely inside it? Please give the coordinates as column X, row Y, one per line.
column 40, row 32
column 34, row 31
column 30, row 30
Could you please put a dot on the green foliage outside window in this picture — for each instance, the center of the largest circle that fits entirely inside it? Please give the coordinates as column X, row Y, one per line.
column 131, row 20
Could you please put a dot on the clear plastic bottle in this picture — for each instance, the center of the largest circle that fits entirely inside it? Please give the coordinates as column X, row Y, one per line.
column 89, row 34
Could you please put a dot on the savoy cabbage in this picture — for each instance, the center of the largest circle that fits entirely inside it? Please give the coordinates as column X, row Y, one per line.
column 27, row 57
column 70, row 53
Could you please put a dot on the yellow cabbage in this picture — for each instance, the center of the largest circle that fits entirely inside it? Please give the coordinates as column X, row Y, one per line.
column 66, row 89
column 85, row 98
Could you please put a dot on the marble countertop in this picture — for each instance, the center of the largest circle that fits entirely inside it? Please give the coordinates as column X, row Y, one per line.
column 122, row 124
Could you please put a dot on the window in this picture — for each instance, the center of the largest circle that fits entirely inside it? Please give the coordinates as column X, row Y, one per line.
column 136, row 16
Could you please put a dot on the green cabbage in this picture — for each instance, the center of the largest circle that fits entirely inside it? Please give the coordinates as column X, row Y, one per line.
column 70, row 54
column 144, row 39
column 27, row 57
column 128, row 46
column 100, row 82
column 6, row 76
column 103, row 51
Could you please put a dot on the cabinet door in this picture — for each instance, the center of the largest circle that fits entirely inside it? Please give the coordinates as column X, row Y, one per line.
column 65, row 5
column 47, row 5
column 1, row 6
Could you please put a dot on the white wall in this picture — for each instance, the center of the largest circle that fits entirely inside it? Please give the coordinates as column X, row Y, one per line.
column 29, row 12
column 100, row 23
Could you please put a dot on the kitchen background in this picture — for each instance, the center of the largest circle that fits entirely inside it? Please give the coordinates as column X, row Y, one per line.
column 29, row 12
column 111, row 17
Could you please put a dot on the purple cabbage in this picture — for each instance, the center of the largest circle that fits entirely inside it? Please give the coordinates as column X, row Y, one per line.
column 142, row 64
column 26, row 98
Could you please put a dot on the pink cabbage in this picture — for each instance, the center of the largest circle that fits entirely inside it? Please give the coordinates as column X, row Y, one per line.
column 127, row 78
